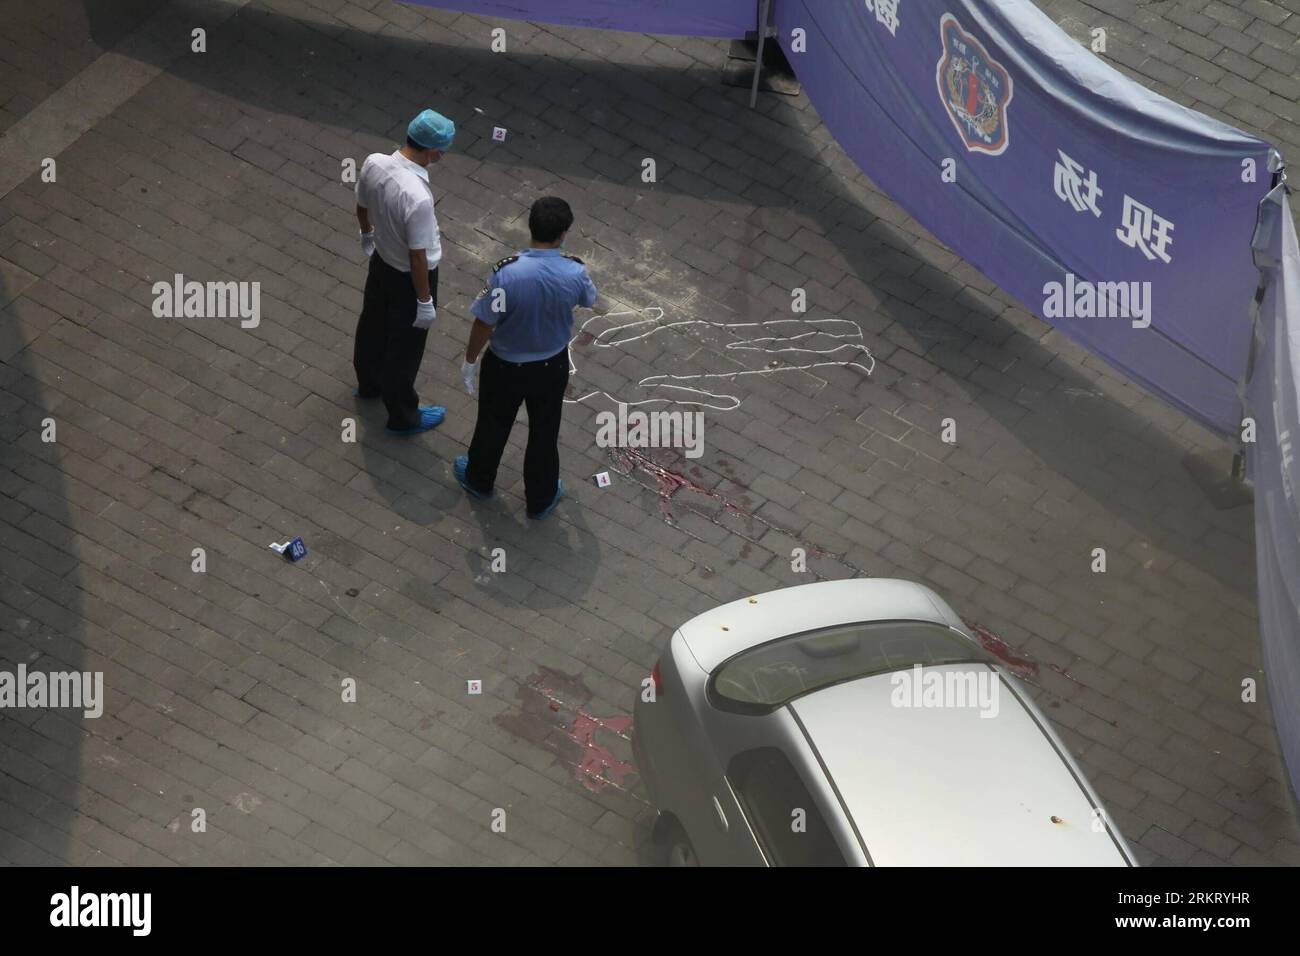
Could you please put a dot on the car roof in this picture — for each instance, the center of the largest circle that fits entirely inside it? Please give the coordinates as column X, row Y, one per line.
column 717, row 635
column 943, row 786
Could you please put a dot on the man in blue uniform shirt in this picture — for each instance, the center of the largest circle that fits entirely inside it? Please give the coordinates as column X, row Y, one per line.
column 525, row 318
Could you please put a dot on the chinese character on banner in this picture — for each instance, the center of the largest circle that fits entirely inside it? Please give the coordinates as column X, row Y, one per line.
column 1144, row 230
column 1079, row 192
column 886, row 12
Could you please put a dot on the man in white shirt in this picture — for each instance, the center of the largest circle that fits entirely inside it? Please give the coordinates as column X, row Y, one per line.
column 399, row 232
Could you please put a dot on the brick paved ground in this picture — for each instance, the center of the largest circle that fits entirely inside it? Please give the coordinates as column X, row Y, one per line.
column 45, row 45
column 223, row 688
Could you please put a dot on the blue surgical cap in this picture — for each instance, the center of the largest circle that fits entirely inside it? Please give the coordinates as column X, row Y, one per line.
column 432, row 130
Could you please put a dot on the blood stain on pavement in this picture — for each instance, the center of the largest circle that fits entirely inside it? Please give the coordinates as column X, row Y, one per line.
column 554, row 713
column 1020, row 666
column 598, row 766
column 671, row 482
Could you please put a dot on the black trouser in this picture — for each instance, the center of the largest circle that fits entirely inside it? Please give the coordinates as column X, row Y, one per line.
column 389, row 349
column 503, row 387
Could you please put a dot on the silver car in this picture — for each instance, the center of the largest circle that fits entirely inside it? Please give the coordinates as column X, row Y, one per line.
column 856, row 723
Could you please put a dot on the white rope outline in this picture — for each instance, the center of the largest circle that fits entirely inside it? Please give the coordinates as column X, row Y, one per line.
column 654, row 320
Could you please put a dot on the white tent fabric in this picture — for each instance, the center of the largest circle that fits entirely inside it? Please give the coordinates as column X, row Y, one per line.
column 1274, row 403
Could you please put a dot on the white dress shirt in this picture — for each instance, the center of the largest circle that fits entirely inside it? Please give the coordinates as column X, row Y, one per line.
column 397, row 194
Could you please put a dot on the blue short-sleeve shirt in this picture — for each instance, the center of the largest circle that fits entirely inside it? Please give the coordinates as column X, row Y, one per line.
column 529, row 303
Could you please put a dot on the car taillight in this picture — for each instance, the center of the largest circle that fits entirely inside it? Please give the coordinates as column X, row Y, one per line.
column 659, row 681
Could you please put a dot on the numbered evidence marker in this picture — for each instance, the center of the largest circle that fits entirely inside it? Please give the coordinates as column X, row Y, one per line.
column 601, row 479
column 474, row 686
column 293, row 550
column 499, row 134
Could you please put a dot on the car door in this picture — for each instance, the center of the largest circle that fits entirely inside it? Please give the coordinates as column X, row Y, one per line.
column 707, row 807
column 767, row 788
column 786, row 819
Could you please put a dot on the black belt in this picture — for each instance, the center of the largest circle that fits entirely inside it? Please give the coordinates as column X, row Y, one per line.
column 524, row 364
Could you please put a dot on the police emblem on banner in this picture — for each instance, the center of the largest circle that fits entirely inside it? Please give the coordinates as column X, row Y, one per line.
column 975, row 89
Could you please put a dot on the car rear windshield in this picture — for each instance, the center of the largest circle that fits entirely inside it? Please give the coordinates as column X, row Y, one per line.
column 772, row 674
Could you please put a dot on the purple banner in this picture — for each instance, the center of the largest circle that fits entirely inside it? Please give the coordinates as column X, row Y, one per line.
column 1120, row 217
column 700, row 18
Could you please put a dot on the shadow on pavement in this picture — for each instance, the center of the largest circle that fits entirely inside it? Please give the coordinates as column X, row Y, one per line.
column 42, row 623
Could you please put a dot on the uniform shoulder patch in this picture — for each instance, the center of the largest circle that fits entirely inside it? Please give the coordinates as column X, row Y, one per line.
column 569, row 255
column 504, row 262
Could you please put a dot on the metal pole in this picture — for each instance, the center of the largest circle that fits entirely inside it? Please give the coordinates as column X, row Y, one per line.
column 1239, row 459
column 764, row 12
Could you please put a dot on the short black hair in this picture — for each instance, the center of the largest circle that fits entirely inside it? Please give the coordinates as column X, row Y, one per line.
column 414, row 145
column 549, row 218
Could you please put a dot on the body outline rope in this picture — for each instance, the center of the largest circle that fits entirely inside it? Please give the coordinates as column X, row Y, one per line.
column 664, row 381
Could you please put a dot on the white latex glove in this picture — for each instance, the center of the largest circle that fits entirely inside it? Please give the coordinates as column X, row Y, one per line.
column 468, row 372
column 425, row 313
column 368, row 243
